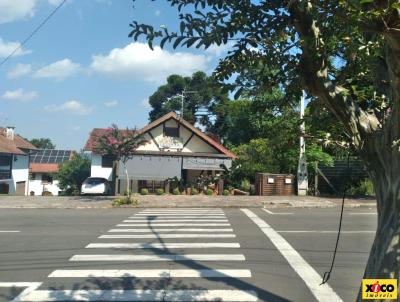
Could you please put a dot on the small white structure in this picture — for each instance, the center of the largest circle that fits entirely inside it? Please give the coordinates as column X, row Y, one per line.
column 302, row 174
column 43, row 167
column 14, row 162
column 174, row 149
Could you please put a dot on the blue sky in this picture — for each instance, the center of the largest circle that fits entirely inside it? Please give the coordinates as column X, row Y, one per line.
column 81, row 71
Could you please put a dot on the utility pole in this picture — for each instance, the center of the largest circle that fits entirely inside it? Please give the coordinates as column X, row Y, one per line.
column 302, row 175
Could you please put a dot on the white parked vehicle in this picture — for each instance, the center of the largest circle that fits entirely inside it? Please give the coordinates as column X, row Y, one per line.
column 95, row 185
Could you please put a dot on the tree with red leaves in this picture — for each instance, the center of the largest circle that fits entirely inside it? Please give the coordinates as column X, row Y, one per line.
column 121, row 145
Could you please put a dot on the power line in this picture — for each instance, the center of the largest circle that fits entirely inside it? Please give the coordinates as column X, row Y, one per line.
column 33, row 32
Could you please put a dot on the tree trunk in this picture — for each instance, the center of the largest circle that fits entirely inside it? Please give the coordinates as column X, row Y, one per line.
column 128, row 190
column 384, row 258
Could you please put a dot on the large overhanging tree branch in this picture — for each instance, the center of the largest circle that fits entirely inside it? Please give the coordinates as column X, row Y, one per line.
column 346, row 54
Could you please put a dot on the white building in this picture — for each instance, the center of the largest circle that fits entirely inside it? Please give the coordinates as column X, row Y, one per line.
column 14, row 162
column 174, row 148
column 43, row 167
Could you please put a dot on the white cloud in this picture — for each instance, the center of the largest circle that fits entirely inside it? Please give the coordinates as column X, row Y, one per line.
column 13, row 10
column 19, row 70
column 19, row 95
column 6, row 48
column 217, row 51
column 58, row 70
column 76, row 128
column 73, row 107
column 158, row 12
column 145, row 103
column 112, row 103
column 137, row 60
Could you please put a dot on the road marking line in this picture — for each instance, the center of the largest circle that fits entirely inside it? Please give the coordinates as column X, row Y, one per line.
column 30, row 287
column 152, row 217
column 328, row 232
column 322, row 292
column 182, row 209
column 162, row 236
column 176, row 220
column 274, row 213
column 162, row 257
column 363, row 213
column 179, row 214
column 174, row 224
column 142, row 295
column 148, row 230
column 152, row 273
column 167, row 245
column 4, row 231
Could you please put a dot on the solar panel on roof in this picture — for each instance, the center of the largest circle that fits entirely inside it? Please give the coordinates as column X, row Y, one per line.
column 51, row 156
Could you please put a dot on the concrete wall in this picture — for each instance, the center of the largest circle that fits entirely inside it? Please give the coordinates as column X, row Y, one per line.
column 20, row 172
column 97, row 170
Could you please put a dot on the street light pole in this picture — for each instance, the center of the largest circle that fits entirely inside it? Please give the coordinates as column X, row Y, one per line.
column 302, row 175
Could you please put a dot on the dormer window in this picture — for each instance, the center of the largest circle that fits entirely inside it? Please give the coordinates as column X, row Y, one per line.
column 171, row 131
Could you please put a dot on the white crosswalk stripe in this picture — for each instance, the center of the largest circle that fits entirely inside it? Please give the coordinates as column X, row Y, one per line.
column 166, row 245
column 174, row 224
column 153, row 273
column 161, row 257
column 174, row 220
column 163, row 230
column 165, row 236
column 179, row 214
column 148, row 229
column 140, row 295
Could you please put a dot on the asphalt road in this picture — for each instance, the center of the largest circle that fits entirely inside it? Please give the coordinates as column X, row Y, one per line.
column 181, row 254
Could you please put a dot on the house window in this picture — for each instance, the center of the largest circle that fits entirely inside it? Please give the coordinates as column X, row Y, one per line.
column 5, row 166
column 32, row 176
column 47, row 178
column 171, row 131
column 107, row 161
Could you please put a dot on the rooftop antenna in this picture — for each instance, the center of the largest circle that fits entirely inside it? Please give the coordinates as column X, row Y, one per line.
column 183, row 95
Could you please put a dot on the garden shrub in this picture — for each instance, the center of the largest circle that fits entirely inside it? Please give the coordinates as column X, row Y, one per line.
column 225, row 192
column 194, row 191
column 144, row 191
column 363, row 188
column 125, row 201
column 245, row 185
column 160, row 191
column 176, row 191
column 209, row 192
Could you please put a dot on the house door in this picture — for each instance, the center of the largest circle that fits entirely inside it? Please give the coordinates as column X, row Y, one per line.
column 20, row 190
column 4, row 188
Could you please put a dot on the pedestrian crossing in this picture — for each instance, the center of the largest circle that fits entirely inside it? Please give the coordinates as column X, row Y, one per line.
column 186, row 254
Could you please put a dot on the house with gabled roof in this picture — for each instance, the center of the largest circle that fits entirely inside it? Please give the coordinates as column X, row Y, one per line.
column 43, row 168
column 14, row 162
column 174, row 149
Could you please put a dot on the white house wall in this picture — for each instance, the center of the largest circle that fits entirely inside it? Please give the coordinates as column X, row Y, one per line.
column 196, row 144
column 37, row 186
column 97, row 170
column 19, row 172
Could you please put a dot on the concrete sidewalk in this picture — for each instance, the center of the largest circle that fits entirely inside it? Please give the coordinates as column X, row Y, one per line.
column 171, row 201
